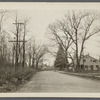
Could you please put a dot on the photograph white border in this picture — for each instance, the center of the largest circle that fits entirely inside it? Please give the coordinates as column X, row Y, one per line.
column 69, row 5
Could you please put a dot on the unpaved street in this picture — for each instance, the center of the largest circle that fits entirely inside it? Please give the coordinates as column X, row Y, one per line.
column 50, row 81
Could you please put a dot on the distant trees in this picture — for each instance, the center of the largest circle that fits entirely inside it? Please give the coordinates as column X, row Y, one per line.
column 74, row 30
column 5, row 50
column 40, row 53
column 36, row 54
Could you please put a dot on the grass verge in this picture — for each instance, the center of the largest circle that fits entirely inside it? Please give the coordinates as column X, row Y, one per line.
column 10, row 81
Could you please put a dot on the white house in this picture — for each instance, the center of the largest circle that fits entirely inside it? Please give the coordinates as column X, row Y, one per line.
column 89, row 63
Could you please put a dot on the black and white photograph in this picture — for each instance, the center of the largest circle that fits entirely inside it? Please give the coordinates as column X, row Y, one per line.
column 50, row 48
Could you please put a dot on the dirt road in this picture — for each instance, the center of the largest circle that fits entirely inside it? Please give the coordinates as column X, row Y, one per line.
column 50, row 81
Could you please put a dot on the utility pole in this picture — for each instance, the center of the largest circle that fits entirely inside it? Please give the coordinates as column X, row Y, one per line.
column 23, row 63
column 18, row 26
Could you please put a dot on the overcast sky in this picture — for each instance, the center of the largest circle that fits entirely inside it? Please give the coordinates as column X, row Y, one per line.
column 43, row 14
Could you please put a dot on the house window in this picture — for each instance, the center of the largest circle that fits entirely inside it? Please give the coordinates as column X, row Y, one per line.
column 94, row 60
column 92, row 67
column 91, row 60
column 84, row 60
column 97, row 66
column 86, row 66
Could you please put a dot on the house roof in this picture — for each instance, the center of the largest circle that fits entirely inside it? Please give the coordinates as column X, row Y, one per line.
column 90, row 57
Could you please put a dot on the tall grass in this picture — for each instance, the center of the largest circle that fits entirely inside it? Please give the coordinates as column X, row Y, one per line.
column 10, row 79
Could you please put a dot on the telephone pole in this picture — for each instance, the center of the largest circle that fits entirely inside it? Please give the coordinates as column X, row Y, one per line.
column 17, row 41
column 23, row 63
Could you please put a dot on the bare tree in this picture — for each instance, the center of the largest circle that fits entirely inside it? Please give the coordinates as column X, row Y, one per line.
column 40, row 53
column 78, row 27
column 33, row 55
column 20, row 33
column 61, row 38
column 24, row 40
column 3, row 17
column 30, row 55
column 31, row 52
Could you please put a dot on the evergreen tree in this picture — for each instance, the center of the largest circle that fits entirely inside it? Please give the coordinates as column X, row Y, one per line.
column 60, row 59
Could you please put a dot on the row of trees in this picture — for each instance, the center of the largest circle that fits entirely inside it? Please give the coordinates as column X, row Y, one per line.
column 20, row 55
column 15, row 50
column 71, row 34
column 36, row 54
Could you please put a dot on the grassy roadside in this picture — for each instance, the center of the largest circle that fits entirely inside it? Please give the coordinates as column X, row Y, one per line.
column 12, row 81
column 94, row 76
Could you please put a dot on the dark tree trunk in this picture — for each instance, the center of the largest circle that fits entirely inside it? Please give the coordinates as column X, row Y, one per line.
column 33, row 61
column 77, row 58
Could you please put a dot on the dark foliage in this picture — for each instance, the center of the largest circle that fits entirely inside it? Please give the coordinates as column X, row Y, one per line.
column 60, row 60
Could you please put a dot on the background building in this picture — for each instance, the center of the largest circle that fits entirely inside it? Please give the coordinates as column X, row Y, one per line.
column 89, row 63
